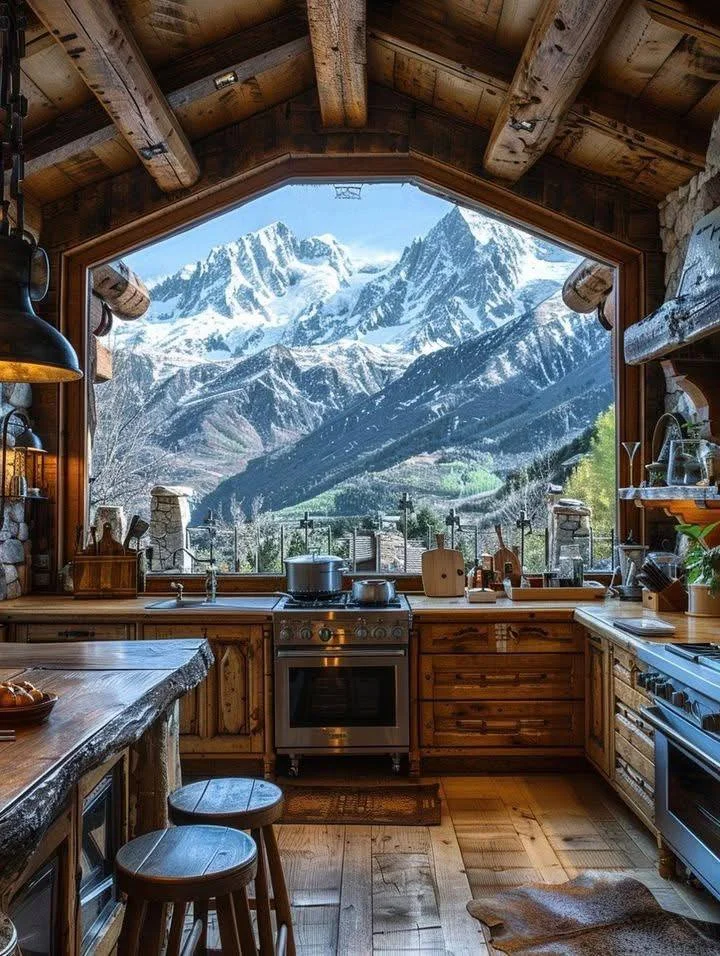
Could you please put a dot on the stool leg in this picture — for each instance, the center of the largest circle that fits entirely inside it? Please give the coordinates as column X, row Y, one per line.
column 176, row 929
column 153, row 935
column 200, row 911
column 262, row 898
column 283, row 913
column 129, row 942
column 244, row 923
column 227, row 925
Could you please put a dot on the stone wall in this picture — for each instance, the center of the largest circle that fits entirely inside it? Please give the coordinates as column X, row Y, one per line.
column 169, row 520
column 683, row 207
column 15, row 546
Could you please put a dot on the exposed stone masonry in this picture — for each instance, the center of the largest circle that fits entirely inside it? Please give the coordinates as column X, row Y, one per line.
column 684, row 207
column 169, row 520
column 15, row 545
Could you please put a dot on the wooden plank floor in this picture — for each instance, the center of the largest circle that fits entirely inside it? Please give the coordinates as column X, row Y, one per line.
column 362, row 890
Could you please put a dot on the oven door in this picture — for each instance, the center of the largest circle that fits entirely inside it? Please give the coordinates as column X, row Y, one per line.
column 340, row 699
column 687, row 792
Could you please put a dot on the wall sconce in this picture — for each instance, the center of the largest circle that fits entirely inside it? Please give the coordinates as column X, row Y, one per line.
column 26, row 443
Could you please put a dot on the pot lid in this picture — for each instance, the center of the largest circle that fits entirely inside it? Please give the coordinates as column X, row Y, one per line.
column 315, row 559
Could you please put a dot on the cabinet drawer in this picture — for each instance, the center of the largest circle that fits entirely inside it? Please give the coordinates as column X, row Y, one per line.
column 82, row 631
column 479, row 724
column 628, row 696
column 626, row 668
column 640, row 763
column 210, row 632
column 516, row 637
column 631, row 726
column 500, row 676
column 639, row 793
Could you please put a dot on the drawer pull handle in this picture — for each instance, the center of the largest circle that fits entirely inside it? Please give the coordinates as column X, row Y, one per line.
column 75, row 635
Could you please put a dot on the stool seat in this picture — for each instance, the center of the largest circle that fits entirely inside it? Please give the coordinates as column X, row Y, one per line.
column 232, row 801
column 186, row 863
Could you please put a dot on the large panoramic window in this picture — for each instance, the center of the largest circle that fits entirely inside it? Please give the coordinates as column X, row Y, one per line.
column 354, row 369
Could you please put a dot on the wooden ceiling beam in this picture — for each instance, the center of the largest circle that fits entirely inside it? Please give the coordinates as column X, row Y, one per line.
column 338, row 36
column 699, row 19
column 108, row 58
column 612, row 113
column 191, row 78
column 564, row 44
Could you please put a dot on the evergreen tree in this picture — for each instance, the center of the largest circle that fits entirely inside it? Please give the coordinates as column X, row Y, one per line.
column 593, row 480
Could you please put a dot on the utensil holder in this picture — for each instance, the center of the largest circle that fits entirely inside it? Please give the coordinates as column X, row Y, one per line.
column 672, row 598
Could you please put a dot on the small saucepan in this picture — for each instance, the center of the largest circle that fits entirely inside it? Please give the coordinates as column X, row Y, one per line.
column 373, row 591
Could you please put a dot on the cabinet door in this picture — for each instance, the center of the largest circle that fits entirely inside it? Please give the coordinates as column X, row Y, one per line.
column 224, row 714
column 598, row 730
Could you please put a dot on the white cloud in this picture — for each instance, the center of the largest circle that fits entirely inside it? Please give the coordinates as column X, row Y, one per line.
column 365, row 256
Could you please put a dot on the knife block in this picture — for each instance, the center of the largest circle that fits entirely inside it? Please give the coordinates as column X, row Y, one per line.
column 105, row 576
column 672, row 598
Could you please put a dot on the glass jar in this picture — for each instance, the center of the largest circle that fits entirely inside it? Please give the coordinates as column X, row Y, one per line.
column 686, row 464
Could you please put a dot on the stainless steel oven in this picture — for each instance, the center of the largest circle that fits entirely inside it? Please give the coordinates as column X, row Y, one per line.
column 687, row 791
column 341, row 699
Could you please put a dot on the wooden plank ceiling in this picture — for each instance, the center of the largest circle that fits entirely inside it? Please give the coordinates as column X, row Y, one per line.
column 623, row 89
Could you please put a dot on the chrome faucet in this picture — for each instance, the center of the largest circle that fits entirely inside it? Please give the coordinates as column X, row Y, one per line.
column 211, row 583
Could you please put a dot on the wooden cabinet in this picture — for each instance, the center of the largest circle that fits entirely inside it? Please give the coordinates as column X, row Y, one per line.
column 618, row 740
column 224, row 716
column 598, row 702
column 500, row 687
column 74, row 631
column 634, row 747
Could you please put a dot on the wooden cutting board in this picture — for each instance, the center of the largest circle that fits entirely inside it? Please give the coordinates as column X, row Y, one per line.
column 443, row 571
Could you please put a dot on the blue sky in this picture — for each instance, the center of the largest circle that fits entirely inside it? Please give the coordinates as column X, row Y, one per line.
column 377, row 227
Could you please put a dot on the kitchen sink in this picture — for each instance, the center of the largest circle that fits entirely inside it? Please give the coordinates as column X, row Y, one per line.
column 239, row 603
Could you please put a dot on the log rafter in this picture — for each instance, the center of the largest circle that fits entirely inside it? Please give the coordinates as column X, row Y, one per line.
column 187, row 80
column 564, row 45
column 108, row 58
column 338, row 35
column 612, row 113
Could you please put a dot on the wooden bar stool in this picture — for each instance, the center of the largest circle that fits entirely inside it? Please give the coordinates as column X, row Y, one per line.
column 253, row 805
column 180, row 866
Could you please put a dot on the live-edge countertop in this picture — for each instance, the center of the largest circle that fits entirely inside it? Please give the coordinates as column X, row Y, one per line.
column 109, row 694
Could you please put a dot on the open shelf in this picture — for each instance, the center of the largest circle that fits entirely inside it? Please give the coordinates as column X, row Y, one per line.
column 688, row 504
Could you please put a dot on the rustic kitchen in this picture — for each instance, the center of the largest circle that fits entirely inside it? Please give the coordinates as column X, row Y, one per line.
column 359, row 576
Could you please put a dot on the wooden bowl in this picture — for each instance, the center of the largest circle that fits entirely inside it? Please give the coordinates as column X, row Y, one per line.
column 28, row 713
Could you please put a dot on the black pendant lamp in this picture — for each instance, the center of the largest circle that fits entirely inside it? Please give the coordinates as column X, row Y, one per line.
column 31, row 350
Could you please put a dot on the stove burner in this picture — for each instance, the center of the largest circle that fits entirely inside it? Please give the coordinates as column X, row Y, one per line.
column 335, row 602
column 706, row 653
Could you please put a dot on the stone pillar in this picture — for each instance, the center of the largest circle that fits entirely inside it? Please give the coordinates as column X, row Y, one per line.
column 15, row 547
column 169, row 520
column 569, row 522
column 113, row 515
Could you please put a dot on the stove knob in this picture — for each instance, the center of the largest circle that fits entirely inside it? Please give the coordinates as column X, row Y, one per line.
column 305, row 632
column 679, row 698
column 380, row 633
column 286, row 632
column 711, row 722
column 397, row 633
column 325, row 634
column 361, row 632
column 643, row 678
column 665, row 690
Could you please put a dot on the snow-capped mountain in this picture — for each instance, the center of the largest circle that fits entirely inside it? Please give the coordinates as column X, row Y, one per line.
column 514, row 392
column 277, row 367
column 470, row 273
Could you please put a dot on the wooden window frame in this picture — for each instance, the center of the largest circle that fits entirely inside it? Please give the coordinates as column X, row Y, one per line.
column 75, row 263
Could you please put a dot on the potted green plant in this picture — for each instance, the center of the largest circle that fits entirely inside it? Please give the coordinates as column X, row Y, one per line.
column 703, row 570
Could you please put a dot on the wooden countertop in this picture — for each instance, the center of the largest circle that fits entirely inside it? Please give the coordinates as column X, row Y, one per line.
column 58, row 608
column 440, row 609
column 688, row 630
column 109, row 694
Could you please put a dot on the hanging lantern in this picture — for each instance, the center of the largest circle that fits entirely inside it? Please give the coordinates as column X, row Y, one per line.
column 31, row 350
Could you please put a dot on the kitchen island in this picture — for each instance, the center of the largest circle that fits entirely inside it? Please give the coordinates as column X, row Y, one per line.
column 112, row 734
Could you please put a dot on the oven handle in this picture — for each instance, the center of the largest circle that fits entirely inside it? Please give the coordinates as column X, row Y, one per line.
column 341, row 652
column 652, row 715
